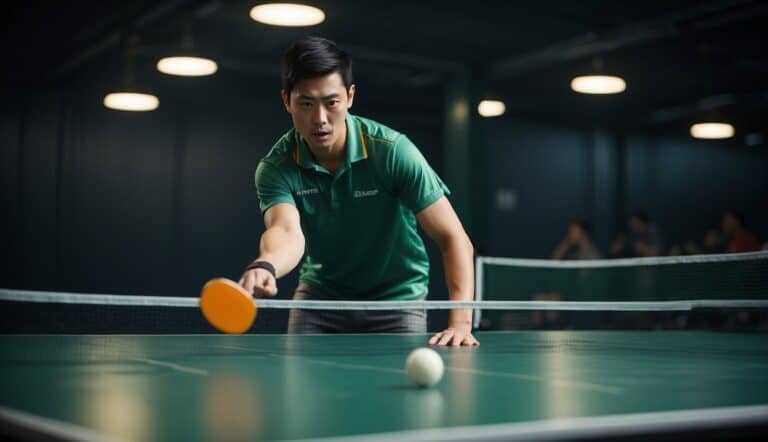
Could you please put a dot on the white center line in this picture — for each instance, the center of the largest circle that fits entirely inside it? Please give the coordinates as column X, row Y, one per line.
column 176, row 367
column 355, row 366
column 233, row 347
column 528, row 377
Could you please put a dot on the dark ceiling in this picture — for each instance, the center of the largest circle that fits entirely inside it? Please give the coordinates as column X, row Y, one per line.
column 682, row 60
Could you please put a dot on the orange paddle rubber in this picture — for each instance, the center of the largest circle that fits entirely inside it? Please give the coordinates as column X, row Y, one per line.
column 227, row 306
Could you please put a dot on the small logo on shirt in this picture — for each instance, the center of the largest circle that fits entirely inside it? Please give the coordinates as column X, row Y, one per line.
column 308, row 192
column 365, row 193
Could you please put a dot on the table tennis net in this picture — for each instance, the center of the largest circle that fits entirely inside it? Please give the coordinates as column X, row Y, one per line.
column 61, row 314
column 505, row 288
column 715, row 281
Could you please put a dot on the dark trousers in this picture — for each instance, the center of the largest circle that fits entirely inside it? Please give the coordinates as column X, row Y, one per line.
column 302, row 321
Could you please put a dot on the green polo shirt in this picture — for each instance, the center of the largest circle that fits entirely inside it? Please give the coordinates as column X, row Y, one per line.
column 362, row 240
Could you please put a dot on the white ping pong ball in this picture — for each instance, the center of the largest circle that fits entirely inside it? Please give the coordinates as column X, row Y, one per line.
column 424, row 366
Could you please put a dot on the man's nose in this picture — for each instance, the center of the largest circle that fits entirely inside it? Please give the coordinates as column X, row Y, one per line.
column 320, row 116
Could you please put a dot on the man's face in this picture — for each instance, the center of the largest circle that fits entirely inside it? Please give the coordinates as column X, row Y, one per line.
column 318, row 107
column 575, row 233
column 711, row 239
column 730, row 225
column 636, row 225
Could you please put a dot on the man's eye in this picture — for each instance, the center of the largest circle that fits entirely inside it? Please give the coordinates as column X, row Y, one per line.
column 333, row 103
column 305, row 104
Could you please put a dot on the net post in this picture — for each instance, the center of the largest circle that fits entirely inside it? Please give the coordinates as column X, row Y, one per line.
column 478, row 290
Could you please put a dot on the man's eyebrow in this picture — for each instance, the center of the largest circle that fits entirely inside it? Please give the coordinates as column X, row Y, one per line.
column 327, row 97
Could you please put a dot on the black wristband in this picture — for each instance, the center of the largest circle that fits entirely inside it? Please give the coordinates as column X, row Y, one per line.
column 262, row 265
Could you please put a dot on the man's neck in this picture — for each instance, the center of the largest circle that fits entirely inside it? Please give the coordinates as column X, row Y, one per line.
column 331, row 165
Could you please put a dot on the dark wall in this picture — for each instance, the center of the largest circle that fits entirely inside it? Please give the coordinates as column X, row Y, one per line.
column 151, row 203
column 557, row 174
column 686, row 185
column 545, row 170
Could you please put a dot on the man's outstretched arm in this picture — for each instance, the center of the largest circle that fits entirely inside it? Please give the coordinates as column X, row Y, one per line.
column 440, row 222
column 282, row 245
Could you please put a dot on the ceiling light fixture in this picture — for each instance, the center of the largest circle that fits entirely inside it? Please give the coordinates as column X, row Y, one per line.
column 128, row 96
column 598, row 84
column 187, row 66
column 187, row 61
column 131, row 101
column 712, row 131
column 491, row 108
column 287, row 14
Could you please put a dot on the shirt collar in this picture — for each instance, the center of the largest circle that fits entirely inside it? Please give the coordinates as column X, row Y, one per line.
column 357, row 148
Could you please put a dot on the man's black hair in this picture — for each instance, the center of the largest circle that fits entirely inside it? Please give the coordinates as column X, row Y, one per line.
column 642, row 216
column 313, row 57
column 583, row 225
column 738, row 215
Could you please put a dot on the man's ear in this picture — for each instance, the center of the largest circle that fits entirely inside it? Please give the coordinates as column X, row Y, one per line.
column 286, row 100
column 350, row 96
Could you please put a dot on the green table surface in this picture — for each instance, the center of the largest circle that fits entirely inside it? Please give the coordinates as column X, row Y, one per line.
column 255, row 387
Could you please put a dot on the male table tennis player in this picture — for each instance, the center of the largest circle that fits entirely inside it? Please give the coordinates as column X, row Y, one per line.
column 346, row 193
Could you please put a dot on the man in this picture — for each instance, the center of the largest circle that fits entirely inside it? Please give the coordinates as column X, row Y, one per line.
column 577, row 243
column 713, row 243
column 740, row 239
column 349, row 192
column 643, row 239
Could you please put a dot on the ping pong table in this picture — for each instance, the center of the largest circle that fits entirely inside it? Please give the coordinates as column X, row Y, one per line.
column 517, row 385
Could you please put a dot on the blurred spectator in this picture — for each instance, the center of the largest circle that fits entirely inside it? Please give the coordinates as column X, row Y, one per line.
column 739, row 238
column 677, row 250
column 714, row 242
column 577, row 243
column 642, row 240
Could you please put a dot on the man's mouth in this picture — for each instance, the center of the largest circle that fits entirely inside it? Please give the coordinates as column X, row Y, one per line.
column 321, row 134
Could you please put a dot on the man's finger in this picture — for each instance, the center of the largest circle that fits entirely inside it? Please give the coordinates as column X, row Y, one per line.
column 259, row 287
column 433, row 340
column 472, row 341
column 268, row 286
column 247, row 282
column 273, row 285
column 446, row 338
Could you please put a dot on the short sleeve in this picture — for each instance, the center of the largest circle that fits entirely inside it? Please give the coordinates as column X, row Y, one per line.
column 271, row 187
column 414, row 181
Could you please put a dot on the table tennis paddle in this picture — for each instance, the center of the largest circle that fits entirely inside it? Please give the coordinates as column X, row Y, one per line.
column 227, row 306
